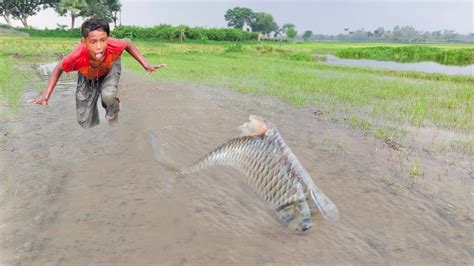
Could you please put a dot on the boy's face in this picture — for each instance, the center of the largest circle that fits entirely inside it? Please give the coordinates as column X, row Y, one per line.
column 95, row 43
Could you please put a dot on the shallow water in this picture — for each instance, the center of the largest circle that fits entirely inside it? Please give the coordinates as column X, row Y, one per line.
column 67, row 80
column 428, row 67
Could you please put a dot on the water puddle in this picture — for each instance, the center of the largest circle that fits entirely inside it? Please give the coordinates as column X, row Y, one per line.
column 66, row 84
column 44, row 71
column 428, row 67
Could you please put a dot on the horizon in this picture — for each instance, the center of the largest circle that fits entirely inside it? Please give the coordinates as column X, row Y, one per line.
column 321, row 17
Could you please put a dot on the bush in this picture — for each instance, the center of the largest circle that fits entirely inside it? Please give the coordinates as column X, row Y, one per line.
column 234, row 48
column 410, row 54
column 166, row 32
column 298, row 56
column 75, row 33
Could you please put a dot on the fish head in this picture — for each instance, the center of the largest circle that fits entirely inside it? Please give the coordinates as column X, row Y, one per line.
column 295, row 219
column 301, row 223
column 256, row 126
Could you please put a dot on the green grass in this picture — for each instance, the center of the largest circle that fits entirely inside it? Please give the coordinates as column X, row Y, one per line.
column 11, row 86
column 406, row 54
column 333, row 47
column 28, row 48
column 416, row 99
column 381, row 102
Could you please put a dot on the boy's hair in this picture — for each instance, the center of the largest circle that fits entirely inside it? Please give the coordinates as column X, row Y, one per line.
column 93, row 24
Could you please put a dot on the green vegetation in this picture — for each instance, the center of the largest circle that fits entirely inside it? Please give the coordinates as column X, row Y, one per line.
column 237, row 17
column 11, row 86
column 157, row 33
column 22, row 10
column 30, row 48
column 170, row 33
column 58, row 33
column 416, row 99
column 411, row 54
column 380, row 102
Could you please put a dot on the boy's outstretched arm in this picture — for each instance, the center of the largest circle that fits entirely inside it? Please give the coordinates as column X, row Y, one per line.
column 131, row 49
column 43, row 100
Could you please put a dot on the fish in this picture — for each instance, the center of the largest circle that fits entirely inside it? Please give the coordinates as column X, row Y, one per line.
column 272, row 170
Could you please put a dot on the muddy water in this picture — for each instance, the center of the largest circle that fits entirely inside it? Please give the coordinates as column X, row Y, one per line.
column 428, row 67
column 97, row 196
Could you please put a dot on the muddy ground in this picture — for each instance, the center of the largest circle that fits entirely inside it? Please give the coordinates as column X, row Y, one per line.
column 97, row 196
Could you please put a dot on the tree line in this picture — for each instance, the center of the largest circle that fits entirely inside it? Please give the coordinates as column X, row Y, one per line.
column 405, row 34
column 246, row 19
column 23, row 9
column 241, row 18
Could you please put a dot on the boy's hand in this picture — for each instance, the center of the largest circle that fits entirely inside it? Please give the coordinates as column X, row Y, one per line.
column 150, row 69
column 41, row 101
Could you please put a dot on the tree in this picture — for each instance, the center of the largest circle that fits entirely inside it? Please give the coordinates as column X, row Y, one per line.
column 5, row 10
column 263, row 23
column 277, row 32
column 22, row 9
column 98, row 9
column 114, row 7
column 396, row 34
column 51, row 3
column 359, row 35
column 307, row 34
column 291, row 33
column 237, row 17
column 408, row 33
column 287, row 26
column 74, row 7
column 105, row 9
column 290, row 30
column 379, row 32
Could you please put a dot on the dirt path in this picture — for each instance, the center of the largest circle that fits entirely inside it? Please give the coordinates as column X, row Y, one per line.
column 97, row 196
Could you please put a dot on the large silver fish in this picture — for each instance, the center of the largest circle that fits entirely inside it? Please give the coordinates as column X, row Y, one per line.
column 273, row 172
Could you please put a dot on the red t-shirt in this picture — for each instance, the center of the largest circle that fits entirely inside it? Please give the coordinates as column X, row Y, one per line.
column 78, row 59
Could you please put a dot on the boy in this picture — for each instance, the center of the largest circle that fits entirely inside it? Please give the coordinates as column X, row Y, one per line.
column 97, row 60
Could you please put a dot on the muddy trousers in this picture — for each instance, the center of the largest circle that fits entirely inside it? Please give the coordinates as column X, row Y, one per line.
column 87, row 95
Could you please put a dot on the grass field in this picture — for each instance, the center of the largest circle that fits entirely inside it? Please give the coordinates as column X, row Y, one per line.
column 378, row 101
column 409, row 54
column 416, row 99
column 11, row 86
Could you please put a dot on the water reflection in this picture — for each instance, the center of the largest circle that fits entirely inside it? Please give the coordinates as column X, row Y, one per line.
column 66, row 79
column 428, row 67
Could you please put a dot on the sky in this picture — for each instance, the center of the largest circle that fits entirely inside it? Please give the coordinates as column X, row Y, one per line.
column 319, row 16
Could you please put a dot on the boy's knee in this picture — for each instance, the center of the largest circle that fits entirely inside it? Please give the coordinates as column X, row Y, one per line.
column 109, row 94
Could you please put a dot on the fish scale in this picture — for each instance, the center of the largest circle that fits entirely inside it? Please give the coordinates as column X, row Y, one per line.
column 277, row 195
column 273, row 172
column 253, row 155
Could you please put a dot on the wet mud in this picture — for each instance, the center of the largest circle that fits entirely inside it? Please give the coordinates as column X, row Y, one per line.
column 97, row 196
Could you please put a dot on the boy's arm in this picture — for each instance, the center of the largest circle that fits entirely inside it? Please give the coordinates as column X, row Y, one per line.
column 43, row 100
column 131, row 49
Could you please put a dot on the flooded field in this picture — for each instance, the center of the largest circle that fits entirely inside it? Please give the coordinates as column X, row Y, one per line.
column 75, row 196
column 428, row 67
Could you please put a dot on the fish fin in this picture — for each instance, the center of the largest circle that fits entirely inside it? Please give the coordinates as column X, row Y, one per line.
column 256, row 126
column 154, row 145
column 167, row 163
column 325, row 206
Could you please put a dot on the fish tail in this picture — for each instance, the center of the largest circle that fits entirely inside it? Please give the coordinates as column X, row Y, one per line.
column 203, row 163
column 159, row 156
column 326, row 207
